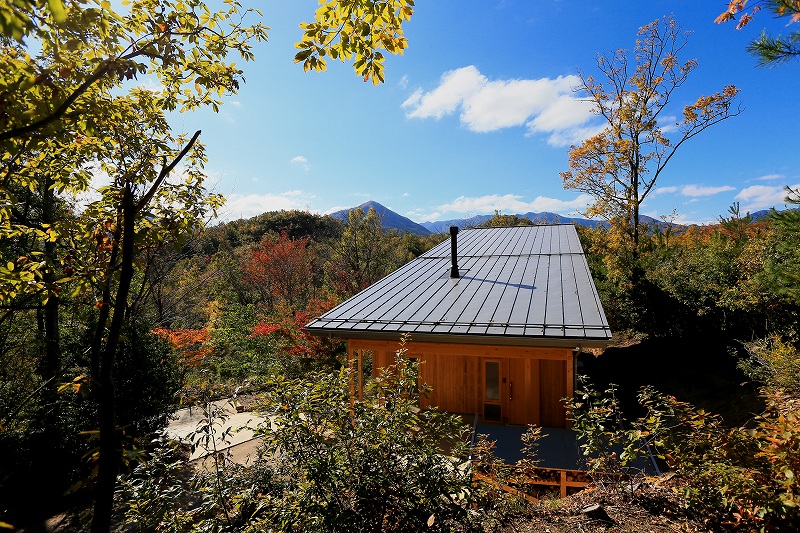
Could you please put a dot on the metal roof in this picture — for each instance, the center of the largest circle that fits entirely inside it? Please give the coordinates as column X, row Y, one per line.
column 526, row 285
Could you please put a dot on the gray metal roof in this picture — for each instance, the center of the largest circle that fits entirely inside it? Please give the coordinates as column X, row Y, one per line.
column 526, row 285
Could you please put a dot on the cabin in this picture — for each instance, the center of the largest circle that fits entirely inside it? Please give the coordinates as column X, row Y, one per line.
column 497, row 316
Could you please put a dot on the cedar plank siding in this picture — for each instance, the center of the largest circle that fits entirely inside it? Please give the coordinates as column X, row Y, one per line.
column 535, row 378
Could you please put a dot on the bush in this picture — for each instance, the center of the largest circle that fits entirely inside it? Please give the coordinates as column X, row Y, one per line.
column 371, row 465
column 741, row 475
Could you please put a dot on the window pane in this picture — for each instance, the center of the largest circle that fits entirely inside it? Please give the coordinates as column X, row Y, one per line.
column 492, row 380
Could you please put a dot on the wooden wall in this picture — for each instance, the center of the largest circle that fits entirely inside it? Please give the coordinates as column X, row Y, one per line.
column 533, row 379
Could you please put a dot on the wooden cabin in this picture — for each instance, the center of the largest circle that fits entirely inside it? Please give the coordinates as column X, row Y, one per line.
column 496, row 315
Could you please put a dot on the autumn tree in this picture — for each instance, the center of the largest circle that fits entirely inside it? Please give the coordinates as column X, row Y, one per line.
column 620, row 166
column 66, row 114
column 357, row 30
column 282, row 270
column 770, row 50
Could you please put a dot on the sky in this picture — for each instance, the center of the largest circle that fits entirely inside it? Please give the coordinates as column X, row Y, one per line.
column 479, row 113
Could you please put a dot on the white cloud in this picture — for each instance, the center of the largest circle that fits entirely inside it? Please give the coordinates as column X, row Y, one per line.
column 403, row 83
column 692, row 191
column 337, row 208
column 697, row 190
column 543, row 106
column 512, row 203
column 249, row 205
column 406, row 195
column 562, row 113
column 456, row 88
column 668, row 124
column 658, row 191
column 430, row 217
column 771, row 177
column 573, row 136
column 758, row 197
column 302, row 161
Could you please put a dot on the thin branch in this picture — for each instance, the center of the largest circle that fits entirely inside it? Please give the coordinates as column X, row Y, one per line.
column 165, row 172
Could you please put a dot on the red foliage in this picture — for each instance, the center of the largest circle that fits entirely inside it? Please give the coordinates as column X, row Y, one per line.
column 262, row 329
column 289, row 325
column 281, row 269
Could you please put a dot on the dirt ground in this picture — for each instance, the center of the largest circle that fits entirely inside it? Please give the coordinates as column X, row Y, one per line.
column 653, row 506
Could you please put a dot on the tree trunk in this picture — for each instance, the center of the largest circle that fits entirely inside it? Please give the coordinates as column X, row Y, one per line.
column 51, row 362
column 108, row 466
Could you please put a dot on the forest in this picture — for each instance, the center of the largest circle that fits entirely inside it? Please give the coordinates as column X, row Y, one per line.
column 119, row 310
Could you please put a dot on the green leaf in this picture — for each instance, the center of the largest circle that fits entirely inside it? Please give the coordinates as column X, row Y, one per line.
column 58, row 10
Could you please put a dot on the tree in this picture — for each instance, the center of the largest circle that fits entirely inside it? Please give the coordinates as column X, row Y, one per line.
column 770, row 50
column 364, row 254
column 503, row 221
column 620, row 166
column 783, row 267
column 282, row 270
column 65, row 112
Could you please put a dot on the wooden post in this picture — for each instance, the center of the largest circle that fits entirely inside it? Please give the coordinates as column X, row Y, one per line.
column 572, row 373
column 563, row 483
column 351, row 378
column 361, row 375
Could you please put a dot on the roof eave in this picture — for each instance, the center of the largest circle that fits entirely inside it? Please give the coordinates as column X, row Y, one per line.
column 493, row 340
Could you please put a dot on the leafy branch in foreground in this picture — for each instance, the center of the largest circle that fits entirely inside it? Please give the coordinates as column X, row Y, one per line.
column 371, row 465
column 771, row 50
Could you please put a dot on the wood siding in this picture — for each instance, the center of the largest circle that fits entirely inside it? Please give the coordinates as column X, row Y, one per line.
column 533, row 380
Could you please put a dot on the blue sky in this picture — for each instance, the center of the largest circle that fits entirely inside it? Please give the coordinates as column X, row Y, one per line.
column 478, row 115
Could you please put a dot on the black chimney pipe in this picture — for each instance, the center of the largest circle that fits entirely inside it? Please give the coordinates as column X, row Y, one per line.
column 454, row 252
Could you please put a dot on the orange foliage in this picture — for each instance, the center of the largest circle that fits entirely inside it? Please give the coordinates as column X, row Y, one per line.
column 189, row 343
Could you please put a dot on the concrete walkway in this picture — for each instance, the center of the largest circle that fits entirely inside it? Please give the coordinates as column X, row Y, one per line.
column 229, row 431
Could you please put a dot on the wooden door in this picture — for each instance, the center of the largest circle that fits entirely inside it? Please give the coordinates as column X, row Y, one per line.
column 553, row 388
column 523, row 391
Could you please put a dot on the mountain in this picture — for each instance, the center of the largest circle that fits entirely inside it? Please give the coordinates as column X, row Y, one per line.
column 392, row 220
column 443, row 226
column 389, row 219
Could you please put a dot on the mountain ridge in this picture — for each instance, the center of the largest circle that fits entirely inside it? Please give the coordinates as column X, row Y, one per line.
column 392, row 220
